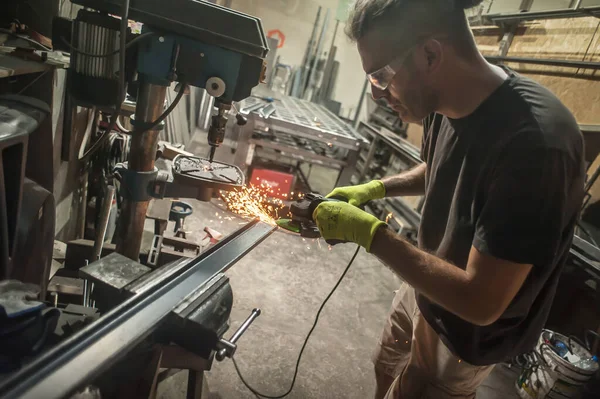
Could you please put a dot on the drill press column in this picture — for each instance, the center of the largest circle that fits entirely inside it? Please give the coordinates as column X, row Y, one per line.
column 149, row 107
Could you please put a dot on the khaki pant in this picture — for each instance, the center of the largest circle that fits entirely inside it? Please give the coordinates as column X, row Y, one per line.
column 423, row 367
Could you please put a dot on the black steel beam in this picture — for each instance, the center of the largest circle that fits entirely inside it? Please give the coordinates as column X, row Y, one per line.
column 78, row 360
column 546, row 61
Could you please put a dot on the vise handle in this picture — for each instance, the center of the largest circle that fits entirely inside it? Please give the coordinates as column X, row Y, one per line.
column 227, row 348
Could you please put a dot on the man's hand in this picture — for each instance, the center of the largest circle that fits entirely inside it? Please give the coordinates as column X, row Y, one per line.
column 339, row 221
column 361, row 194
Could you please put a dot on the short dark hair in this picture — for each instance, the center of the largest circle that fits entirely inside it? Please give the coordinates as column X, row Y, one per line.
column 426, row 17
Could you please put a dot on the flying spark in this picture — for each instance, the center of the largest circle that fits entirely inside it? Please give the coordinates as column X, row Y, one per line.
column 389, row 216
column 254, row 202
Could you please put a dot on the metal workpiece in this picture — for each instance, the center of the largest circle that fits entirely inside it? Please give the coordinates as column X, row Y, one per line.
column 305, row 119
column 79, row 359
column 149, row 107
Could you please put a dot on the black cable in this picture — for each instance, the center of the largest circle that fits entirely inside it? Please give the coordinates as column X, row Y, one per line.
column 170, row 109
column 121, row 93
column 128, row 45
column 335, row 287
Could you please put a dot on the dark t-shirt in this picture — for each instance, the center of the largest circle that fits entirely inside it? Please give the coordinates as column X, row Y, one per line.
column 507, row 180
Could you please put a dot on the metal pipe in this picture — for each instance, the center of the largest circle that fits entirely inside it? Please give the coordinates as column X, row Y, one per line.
column 149, row 107
column 304, row 70
column 546, row 61
column 313, row 69
column 103, row 222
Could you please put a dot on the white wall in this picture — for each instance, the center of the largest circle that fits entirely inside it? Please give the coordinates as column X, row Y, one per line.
column 295, row 18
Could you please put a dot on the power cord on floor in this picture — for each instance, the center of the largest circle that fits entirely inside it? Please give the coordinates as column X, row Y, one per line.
column 335, row 287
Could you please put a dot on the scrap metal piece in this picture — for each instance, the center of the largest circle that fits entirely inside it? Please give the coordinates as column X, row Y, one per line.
column 114, row 270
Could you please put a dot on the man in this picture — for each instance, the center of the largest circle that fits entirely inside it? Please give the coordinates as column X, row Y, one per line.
column 503, row 183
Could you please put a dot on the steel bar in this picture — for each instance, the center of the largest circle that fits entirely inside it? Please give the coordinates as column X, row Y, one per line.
column 78, row 360
column 149, row 107
column 546, row 61
column 103, row 222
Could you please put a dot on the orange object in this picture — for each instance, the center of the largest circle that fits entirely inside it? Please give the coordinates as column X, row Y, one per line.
column 277, row 34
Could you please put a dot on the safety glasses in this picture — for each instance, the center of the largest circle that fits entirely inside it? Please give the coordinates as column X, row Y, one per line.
column 382, row 77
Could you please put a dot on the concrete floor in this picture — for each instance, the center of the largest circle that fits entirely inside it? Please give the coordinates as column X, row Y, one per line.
column 288, row 277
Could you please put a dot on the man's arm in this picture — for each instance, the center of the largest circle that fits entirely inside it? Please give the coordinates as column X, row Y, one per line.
column 480, row 294
column 411, row 182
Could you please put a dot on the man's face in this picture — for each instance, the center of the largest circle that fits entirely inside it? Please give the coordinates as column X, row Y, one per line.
column 409, row 92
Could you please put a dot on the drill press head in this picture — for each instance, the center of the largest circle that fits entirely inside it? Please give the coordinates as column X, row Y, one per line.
column 200, row 44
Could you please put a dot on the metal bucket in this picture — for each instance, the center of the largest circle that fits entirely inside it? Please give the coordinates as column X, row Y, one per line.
column 557, row 377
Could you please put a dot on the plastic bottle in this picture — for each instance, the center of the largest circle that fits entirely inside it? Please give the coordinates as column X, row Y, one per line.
column 560, row 348
column 587, row 364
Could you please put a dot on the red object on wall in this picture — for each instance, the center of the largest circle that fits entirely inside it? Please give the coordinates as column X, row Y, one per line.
column 277, row 34
column 280, row 183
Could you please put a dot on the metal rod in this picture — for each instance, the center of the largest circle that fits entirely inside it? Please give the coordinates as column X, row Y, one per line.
column 304, row 70
column 242, row 329
column 363, row 93
column 85, row 293
column 149, row 107
column 312, row 72
column 103, row 222
column 79, row 359
column 545, row 61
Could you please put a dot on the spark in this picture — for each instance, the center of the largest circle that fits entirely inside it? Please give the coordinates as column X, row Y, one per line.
column 389, row 216
column 254, row 202
column 329, row 247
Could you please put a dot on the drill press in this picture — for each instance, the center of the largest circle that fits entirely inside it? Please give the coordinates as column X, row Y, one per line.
column 192, row 42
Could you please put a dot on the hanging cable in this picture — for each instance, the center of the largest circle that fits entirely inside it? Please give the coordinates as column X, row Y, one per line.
column 335, row 287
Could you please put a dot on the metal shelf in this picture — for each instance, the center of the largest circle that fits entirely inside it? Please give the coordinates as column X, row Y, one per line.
column 539, row 15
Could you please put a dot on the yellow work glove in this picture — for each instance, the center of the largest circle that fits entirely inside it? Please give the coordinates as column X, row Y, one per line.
column 361, row 194
column 340, row 221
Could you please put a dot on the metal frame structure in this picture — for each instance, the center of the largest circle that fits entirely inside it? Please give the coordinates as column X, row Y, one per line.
column 303, row 119
column 575, row 12
column 78, row 360
column 409, row 153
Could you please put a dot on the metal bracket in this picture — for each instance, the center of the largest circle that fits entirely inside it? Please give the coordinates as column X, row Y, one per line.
column 135, row 185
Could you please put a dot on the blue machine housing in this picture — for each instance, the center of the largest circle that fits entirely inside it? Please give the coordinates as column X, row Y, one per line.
column 165, row 58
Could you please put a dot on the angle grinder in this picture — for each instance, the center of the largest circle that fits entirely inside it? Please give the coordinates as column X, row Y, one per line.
column 301, row 211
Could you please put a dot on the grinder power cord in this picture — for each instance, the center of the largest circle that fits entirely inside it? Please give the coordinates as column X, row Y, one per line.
column 314, row 325
column 339, row 220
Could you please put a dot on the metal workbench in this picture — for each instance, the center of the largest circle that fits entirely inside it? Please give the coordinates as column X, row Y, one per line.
column 300, row 131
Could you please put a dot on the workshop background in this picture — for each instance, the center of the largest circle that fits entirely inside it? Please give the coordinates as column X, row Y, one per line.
column 310, row 126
